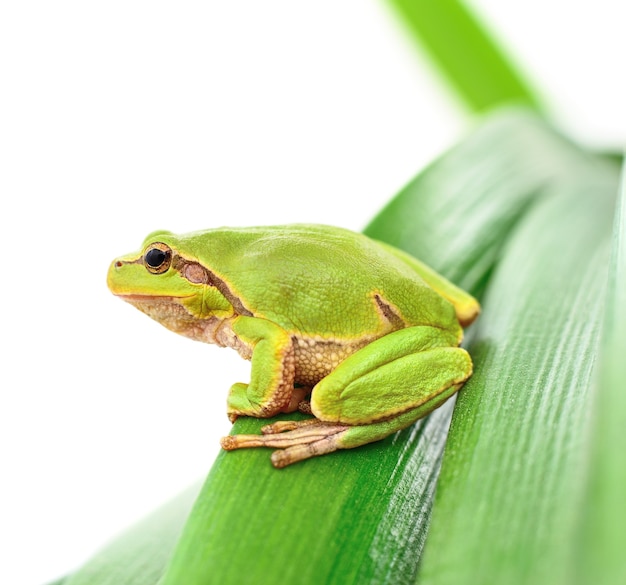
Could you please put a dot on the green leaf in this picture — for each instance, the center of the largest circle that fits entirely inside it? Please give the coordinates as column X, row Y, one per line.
column 327, row 520
column 603, row 537
column 511, row 488
column 487, row 214
column 360, row 517
column 466, row 55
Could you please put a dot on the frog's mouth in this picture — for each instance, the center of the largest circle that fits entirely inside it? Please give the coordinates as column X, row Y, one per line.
column 135, row 297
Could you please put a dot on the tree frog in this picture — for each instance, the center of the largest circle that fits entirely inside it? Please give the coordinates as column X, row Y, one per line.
column 352, row 330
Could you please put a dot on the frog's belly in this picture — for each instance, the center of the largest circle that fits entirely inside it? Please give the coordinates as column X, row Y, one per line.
column 316, row 357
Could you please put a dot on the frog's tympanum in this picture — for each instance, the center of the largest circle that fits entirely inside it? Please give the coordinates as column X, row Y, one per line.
column 357, row 333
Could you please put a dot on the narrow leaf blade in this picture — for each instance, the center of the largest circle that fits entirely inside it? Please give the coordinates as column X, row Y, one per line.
column 466, row 55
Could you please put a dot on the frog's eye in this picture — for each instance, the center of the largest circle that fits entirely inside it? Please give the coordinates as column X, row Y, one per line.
column 157, row 258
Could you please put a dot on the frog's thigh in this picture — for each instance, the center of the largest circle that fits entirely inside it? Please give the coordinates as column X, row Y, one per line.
column 272, row 372
column 363, row 434
column 410, row 371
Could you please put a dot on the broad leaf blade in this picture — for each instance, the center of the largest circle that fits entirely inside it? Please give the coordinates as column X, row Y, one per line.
column 316, row 522
column 603, row 537
column 514, row 471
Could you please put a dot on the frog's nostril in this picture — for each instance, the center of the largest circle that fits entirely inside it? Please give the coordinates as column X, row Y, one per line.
column 118, row 264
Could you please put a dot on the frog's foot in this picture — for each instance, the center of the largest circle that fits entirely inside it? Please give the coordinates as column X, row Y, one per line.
column 298, row 440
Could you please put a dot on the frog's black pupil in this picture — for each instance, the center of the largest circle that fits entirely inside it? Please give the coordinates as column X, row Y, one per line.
column 155, row 257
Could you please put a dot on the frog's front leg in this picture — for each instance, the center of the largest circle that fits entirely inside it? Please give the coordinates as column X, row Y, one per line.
column 273, row 369
column 382, row 388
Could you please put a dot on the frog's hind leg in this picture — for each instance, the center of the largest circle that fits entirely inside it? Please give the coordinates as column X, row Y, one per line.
column 329, row 437
column 300, row 440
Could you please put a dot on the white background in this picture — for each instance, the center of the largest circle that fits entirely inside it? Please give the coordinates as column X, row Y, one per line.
column 121, row 117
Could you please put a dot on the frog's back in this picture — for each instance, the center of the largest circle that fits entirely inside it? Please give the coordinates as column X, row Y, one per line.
column 320, row 280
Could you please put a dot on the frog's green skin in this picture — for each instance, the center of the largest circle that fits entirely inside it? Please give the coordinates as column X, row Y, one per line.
column 369, row 332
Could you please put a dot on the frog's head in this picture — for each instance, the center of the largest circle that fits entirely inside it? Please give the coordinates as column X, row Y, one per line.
column 166, row 282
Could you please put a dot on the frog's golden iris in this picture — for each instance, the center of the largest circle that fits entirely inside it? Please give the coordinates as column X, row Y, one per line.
column 157, row 258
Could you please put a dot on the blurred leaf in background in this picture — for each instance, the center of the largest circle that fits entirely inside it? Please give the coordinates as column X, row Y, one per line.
column 467, row 57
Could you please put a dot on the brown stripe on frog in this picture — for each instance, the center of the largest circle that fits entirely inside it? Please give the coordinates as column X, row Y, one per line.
column 388, row 312
column 195, row 273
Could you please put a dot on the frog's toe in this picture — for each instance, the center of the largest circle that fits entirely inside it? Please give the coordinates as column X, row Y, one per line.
column 300, row 452
column 287, row 425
